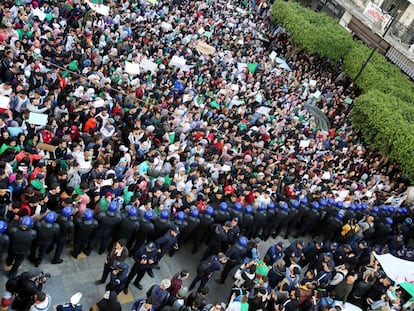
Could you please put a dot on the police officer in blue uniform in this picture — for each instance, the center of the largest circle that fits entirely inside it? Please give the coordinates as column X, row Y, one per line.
column 47, row 231
column 21, row 238
column 144, row 259
column 107, row 223
column 66, row 228
column 84, row 228
column 235, row 255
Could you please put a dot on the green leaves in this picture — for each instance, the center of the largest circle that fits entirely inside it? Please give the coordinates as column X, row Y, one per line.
column 382, row 120
column 315, row 32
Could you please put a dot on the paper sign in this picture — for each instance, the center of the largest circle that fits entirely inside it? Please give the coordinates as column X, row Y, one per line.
column 316, row 95
column 207, row 34
column 37, row 118
column 201, row 31
column 282, row 63
column 312, row 83
column 187, row 98
column 241, row 67
column 262, row 37
column 100, row 8
column 99, row 102
column 166, row 26
column 132, row 68
column 187, row 39
column 39, row 13
column 4, row 102
column 241, row 11
column 264, row 110
column 304, row 143
column 177, row 62
column 272, row 56
column 186, row 68
column 146, row 64
column 205, row 49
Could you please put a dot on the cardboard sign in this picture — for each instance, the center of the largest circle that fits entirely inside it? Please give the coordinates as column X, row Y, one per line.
column 46, row 147
column 205, row 48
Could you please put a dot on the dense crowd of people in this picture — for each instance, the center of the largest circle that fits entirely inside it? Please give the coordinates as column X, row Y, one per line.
column 216, row 145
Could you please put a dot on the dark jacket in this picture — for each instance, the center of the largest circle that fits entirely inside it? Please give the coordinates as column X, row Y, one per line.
column 158, row 296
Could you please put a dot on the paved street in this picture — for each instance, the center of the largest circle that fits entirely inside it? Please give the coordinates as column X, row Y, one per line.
column 80, row 274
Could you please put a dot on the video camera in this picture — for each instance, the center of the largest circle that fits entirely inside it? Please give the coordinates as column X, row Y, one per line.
column 43, row 277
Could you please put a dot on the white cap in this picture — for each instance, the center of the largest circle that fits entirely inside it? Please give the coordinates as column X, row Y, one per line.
column 75, row 299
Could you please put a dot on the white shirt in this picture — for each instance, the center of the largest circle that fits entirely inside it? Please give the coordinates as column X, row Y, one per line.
column 43, row 306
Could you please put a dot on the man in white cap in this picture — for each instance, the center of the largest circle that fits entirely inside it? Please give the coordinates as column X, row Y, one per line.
column 73, row 305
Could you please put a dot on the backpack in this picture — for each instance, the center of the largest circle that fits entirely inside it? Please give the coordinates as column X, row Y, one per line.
column 12, row 284
column 204, row 266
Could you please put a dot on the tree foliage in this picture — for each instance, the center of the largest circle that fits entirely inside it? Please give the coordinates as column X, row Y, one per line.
column 381, row 118
column 316, row 33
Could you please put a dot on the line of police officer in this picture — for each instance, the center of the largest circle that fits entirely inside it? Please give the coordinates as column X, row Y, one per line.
column 218, row 226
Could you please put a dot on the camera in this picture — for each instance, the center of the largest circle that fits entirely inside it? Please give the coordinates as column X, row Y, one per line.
column 44, row 277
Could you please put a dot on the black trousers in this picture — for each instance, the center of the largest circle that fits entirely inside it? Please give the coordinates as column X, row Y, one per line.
column 203, row 281
column 138, row 271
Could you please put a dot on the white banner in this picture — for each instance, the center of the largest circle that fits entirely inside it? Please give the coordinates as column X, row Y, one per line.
column 374, row 12
column 398, row 270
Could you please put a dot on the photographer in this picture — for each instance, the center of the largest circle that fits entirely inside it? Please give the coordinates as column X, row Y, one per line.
column 29, row 284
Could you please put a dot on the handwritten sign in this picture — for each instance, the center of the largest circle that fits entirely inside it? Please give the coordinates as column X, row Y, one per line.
column 37, row 118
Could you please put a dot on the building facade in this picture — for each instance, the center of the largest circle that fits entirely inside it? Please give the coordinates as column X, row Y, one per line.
column 369, row 19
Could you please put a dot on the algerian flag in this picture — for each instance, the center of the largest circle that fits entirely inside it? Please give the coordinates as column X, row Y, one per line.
column 252, row 67
column 409, row 287
column 73, row 65
column 171, row 137
column 98, row 7
column 214, row 104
